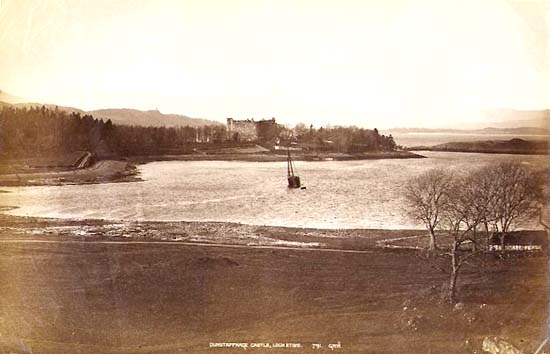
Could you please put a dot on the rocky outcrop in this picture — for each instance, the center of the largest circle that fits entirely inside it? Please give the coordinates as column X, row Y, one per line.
column 496, row 345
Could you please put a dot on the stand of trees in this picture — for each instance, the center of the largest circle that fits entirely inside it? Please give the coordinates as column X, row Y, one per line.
column 134, row 140
column 343, row 139
column 38, row 131
column 467, row 210
column 26, row 132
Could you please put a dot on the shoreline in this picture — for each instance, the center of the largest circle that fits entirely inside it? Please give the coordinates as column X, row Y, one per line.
column 116, row 171
column 273, row 157
column 104, row 171
column 199, row 232
column 222, row 233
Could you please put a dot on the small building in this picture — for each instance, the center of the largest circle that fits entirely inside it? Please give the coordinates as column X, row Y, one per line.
column 520, row 241
column 318, row 145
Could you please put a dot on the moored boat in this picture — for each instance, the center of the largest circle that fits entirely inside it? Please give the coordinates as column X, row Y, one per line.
column 293, row 180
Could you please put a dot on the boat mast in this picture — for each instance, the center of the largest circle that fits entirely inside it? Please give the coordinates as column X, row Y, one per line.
column 290, row 169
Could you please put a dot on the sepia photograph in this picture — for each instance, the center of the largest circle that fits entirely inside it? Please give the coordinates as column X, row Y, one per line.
column 274, row 176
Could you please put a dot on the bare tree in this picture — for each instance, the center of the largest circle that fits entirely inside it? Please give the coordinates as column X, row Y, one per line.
column 483, row 190
column 426, row 196
column 518, row 195
column 465, row 210
column 493, row 198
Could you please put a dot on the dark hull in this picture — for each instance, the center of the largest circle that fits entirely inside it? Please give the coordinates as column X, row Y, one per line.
column 293, row 182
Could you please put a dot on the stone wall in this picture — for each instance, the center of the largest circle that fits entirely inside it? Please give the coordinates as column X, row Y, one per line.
column 241, row 130
column 248, row 129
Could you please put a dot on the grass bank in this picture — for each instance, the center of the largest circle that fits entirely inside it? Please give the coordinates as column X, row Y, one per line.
column 76, row 293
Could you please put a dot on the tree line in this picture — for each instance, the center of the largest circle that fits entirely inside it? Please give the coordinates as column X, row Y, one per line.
column 39, row 131
column 468, row 212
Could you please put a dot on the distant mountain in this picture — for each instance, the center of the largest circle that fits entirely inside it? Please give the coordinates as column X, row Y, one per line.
column 501, row 121
column 511, row 118
column 525, row 130
column 122, row 116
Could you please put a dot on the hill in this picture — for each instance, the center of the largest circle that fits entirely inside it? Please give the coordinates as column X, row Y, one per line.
column 7, row 98
column 152, row 118
column 49, row 106
column 121, row 116
column 125, row 116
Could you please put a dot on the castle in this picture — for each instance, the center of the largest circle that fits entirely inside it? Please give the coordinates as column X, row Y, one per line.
column 248, row 129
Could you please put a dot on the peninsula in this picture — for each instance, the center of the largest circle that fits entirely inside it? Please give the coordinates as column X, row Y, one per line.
column 512, row 146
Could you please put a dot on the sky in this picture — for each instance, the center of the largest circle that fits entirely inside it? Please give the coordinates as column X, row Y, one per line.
column 383, row 63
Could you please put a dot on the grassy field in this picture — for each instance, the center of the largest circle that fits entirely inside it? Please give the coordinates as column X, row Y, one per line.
column 78, row 295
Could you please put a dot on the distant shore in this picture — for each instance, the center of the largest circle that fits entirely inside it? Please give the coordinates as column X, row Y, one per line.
column 274, row 157
column 512, row 146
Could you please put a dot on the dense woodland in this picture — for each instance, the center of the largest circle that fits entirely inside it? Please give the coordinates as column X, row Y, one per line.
column 38, row 131
column 41, row 131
